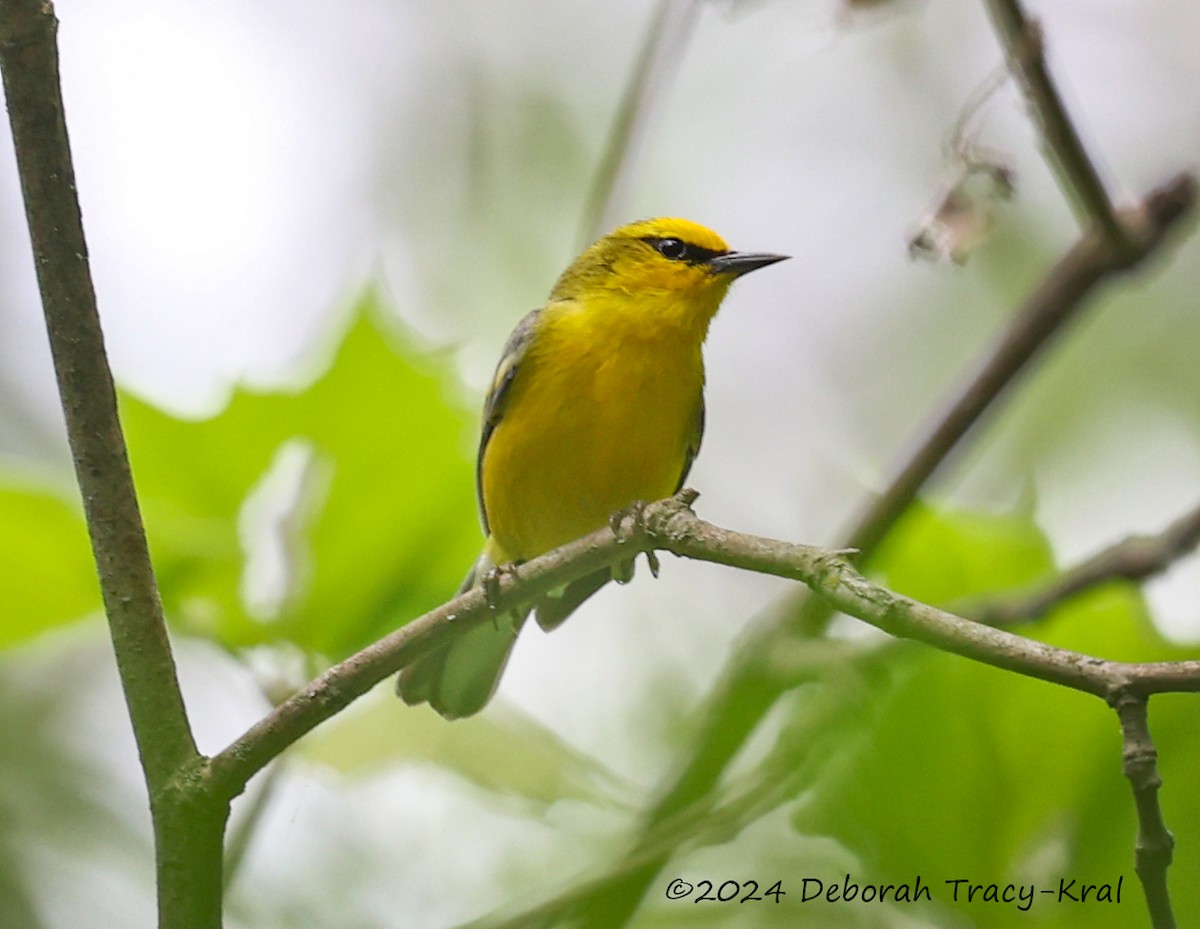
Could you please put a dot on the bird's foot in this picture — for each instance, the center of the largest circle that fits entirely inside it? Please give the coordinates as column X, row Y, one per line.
column 492, row 581
column 627, row 525
column 628, row 522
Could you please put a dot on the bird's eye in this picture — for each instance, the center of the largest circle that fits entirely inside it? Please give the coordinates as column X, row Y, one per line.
column 673, row 249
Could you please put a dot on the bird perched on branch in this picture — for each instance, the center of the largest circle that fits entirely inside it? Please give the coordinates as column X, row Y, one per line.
column 597, row 403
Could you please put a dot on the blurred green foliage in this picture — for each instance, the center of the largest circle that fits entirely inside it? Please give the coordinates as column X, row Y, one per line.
column 48, row 577
column 502, row 751
column 902, row 762
column 964, row 771
column 326, row 515
column 381, row 528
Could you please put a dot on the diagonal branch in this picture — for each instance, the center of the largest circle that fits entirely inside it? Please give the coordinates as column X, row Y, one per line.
column 1135, row 558
column 1057, row 301
column 832, row 578
column 1077, row 175
column 230, row 770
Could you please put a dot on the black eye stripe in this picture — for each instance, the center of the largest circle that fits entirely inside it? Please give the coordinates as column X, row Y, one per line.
column 679, row 250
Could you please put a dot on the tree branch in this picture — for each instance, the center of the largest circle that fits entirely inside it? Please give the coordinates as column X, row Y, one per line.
column 29, row 58
column 1059, row 298
column 1155, row 845
column 1025, row 50
column 186, row 828
column 671, row 526
column 829, row 576
column 228, row 771
column 662, row 49
column 1135, row 558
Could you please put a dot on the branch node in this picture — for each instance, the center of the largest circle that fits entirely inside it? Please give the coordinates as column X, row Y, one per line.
column 1144, row 224
column 671, row 520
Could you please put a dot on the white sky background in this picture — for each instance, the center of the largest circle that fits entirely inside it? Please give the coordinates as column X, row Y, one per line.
column 244, row 167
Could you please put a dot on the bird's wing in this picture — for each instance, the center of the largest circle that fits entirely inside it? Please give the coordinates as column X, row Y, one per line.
column 493, row 407
column 693, row 448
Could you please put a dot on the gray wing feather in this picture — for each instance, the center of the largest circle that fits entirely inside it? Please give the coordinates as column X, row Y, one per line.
column 693, row 448
column 493, row 407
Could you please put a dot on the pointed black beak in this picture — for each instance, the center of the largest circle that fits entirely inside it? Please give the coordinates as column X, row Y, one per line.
column 738, row 263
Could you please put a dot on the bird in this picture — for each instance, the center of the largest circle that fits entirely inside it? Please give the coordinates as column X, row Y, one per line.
column 596, row 406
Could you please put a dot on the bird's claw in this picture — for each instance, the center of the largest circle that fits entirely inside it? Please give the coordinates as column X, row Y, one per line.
column 492, row 580
column 627, row 523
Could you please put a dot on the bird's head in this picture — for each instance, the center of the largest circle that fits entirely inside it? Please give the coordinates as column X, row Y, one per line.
column 665, row 258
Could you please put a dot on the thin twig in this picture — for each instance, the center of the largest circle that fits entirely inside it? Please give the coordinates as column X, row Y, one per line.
column 339, row 686
column 1135, row 558
column 242, row 834
column 972, row 108
column 1155, row 845
column 658, row 59
column 1077, row 175
column 1057, row 301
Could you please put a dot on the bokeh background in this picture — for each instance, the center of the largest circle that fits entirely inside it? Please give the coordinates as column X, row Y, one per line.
column 311, row 227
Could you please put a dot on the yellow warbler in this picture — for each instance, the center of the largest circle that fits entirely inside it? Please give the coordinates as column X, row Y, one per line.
column 597, row 403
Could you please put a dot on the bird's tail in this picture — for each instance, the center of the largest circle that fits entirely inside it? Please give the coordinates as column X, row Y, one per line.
column 552, row 611
column 459, row 678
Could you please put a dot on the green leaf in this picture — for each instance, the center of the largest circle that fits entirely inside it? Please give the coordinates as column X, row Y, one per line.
column 48, row 577
column 383, row 526
column 938, row 556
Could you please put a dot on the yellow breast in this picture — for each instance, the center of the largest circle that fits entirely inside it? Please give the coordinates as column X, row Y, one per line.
column 600, row 414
